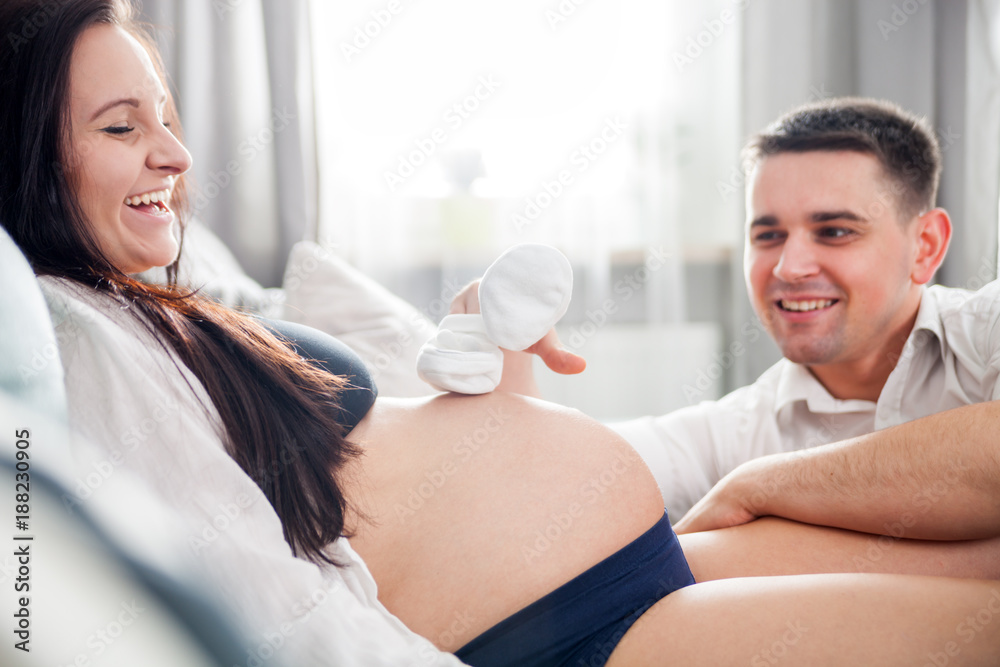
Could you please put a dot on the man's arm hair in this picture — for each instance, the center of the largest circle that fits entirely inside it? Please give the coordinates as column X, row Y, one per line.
column 937, row 477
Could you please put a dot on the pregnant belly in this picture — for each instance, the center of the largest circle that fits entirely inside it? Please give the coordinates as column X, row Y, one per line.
column 474, row 507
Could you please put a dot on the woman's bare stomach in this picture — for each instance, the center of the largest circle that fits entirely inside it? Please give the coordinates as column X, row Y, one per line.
column 476, row 506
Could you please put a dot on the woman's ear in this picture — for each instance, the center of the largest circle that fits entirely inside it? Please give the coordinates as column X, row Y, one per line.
column 933, row 233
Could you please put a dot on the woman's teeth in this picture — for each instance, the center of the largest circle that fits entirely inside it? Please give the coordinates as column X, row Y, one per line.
column 806, row 305
column 149, row 198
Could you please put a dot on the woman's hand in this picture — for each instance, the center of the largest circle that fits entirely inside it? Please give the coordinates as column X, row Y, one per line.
column 557, row 357
column 466, row 302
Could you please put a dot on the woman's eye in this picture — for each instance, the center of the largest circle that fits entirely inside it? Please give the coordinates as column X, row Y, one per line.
column 118, row 129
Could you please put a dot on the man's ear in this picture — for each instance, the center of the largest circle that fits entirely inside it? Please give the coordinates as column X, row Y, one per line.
column 933, row 235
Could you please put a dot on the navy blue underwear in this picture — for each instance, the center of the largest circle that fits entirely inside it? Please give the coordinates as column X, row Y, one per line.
column 582, row 621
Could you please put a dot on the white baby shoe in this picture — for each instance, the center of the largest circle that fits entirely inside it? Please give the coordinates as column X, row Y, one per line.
column 460, row 357
column 522, row 295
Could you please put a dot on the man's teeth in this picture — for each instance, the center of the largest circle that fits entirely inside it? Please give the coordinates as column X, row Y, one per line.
column 149, row 198
column 806, row 305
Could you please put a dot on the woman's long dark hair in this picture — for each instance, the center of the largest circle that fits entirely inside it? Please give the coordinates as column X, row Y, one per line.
column 280, row 413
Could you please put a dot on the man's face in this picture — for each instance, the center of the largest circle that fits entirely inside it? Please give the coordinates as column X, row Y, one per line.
column 828, row 261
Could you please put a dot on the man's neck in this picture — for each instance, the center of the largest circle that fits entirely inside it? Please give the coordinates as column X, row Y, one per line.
column 864, row 378
column 857, row 380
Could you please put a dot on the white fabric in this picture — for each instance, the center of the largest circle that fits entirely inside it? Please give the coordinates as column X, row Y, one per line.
column 151, row 418
column 524, row 293
column 461, row 357
column 325, row 292
column 951, row 358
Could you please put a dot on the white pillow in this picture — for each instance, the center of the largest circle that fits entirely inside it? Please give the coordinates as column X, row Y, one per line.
column 325, row 292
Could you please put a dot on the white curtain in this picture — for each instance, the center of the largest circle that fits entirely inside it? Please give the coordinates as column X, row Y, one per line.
column 451, row 130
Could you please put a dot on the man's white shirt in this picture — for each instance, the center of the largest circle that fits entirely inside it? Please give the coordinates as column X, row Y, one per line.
column 951, row 359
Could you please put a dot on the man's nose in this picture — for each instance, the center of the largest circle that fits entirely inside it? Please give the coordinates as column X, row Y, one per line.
column 798, row 259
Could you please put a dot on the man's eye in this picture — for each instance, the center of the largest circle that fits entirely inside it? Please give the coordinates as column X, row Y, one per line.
column 765, row 237
column 118, row 129
column 835, row 232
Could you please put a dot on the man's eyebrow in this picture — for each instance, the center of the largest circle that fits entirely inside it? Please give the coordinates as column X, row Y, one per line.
column 818, row 217
column 130, row 101
column 827, row 216
column 764, row 221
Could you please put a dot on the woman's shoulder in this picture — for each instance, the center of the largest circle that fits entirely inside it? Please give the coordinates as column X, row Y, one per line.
column 55, row 287
column 84, row 316
column 67, row 297
column 69, row 302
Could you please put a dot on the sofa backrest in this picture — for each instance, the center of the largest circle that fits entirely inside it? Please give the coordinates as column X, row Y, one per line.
column 30, row 370
column 91, row 573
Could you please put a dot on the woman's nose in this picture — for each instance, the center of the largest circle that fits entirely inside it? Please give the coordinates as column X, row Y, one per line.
column 169, row 154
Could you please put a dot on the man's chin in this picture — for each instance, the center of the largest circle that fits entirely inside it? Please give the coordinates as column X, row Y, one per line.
column 808, row 355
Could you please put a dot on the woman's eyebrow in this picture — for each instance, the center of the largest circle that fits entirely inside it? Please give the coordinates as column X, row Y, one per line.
column 130, row 101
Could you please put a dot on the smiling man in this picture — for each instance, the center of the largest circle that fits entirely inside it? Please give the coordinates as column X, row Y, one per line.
column 842, row 237
column 835, row 275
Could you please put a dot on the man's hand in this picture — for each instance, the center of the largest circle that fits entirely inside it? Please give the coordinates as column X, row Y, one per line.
column 549, row 348
column 557, row 357
column 725, row 506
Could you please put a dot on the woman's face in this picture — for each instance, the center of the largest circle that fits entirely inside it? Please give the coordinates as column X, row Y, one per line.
column 122, row 160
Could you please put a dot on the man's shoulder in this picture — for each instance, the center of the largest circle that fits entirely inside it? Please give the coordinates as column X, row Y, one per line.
column 968, row 323
column 759, row 397
column 956, row 300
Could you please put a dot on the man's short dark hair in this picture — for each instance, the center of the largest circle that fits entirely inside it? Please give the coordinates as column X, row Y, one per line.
column 903, row 143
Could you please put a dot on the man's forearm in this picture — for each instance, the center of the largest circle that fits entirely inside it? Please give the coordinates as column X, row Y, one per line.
column 932, row 478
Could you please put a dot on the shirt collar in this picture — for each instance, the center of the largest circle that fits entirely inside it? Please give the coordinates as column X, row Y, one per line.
column 796, row 383
column 928, row 318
